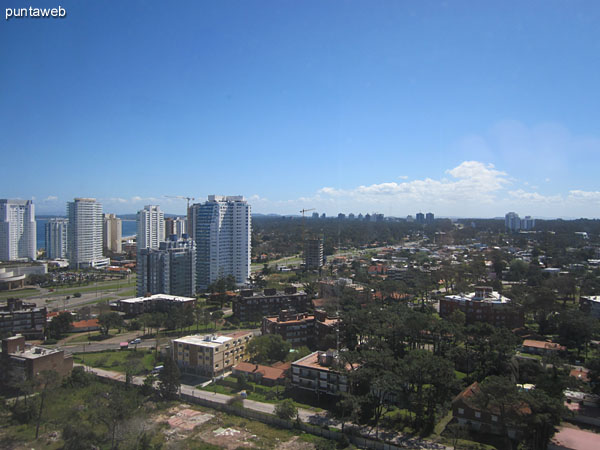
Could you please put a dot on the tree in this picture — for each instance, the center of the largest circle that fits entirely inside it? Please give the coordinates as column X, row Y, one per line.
column 168, row 379
column 268, row 348
column 46, row 381
column 217, row 315
column 546, row 414
column 500, row 394
column 109, row 320
column 59, row 325
column 113, row 407
column 286, row 409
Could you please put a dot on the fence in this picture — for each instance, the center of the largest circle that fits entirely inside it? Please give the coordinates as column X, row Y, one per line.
column 269, row 419
column 358, row 441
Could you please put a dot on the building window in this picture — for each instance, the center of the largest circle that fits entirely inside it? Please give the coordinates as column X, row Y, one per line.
column 461, row 411
column 477, row 414
column 494, row 418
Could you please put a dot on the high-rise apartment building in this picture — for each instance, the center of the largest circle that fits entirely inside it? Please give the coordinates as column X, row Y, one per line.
column 112, row 233
column 84, row 246
column 57, row 238
column 512, row 221
column 222, row 235
column 150, row 227
column 17, row 230
column 313, row 253
column 429, row 218
column 170, row 269
column 527, row 223
column 176, row 226
column 420, row 218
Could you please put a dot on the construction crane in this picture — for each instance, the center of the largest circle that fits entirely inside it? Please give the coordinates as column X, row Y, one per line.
column 306, row 210
column 182, row 198
column 303, row 224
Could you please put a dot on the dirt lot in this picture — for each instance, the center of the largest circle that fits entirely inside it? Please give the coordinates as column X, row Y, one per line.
column 183, row 427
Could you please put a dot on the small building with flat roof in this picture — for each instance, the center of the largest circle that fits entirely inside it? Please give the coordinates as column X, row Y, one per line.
column 22, row 361
column 152, row 303
column 210, row 355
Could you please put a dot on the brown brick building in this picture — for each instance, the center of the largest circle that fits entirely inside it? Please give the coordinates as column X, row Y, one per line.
column 18, row 317
column 483, row 305
column 21, row 361
column 467, row 412
column 314, row 330
column 250, row 307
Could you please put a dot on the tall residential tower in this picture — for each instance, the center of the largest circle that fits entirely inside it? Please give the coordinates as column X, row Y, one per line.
column 170, row 269
column 17, row 230
column 112, row 233
column 56, row 238
column 150, row 227
column 223, row 239
column 85, row 234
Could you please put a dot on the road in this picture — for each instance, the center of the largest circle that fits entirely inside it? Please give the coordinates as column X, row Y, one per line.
column 321, row 418
column 305, row 414
column 52, row 300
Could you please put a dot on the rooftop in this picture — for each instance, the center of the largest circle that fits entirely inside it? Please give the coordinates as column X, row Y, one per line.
column 209, row 340
column 173, row 298
column 482, row 295
column 542, row 345
column 34, row 352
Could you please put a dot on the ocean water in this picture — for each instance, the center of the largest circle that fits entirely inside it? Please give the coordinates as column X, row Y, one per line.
column 129, row 229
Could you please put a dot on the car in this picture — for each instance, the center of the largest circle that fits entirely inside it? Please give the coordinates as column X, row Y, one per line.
column 157, row 369
column 136, row 341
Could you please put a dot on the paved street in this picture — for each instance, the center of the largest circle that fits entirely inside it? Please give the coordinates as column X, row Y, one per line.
column 307, row 416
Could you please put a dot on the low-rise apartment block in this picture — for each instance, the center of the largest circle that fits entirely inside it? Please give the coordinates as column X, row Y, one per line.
column 469, row 413
column 315, row 373
column 250, row 307
column 153, row 303
column 300, row 329
column 23, row 318
column 483, row 305
column 210, row 355
column 21, row 361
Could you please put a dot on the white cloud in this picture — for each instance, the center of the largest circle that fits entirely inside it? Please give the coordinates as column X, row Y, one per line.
column 473, row 181
column 585, row 196
column 534, row 197
column 472, row 189
column 51, row 198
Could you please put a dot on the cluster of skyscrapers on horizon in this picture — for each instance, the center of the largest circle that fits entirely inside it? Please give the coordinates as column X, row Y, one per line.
column 170, row 259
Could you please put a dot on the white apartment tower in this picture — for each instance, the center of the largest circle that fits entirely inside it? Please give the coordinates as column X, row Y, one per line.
column 56, row 238
column 17, row 230
column 223, row 239
column 85, row 234
column 112, row 232
column 150, row 227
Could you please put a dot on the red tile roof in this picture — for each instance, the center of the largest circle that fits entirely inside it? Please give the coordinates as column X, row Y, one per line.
column 86, row 324
column 269, row 373
column 543, row 345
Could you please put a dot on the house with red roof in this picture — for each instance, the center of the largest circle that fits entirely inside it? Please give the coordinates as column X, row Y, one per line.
column 470, row 413
column 267, row 375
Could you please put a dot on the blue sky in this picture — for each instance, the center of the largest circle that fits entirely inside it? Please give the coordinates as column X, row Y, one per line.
column 460, row 108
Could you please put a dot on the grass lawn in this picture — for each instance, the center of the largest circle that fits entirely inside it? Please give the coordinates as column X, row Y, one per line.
column 459, row 375
column 267, row 394
column 529, row 355
column 128, row 293
column 19, row 293
column 102, row 286
column 117, row 359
